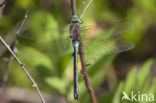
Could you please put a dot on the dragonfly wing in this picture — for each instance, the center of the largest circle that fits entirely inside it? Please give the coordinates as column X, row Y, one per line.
column 108, row 29
column 47, row 41
column 41, row 34
column 54, row 48
column 95, row 49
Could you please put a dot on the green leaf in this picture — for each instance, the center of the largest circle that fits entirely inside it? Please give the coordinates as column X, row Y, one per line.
column 117, row 95
column 34, row 58
column 42, row 26
column 25, row 3
column 144, row 73
column 153, row 87
column 57, row 83
column 130, row 80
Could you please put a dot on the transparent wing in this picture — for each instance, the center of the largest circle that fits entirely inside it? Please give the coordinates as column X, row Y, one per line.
column 41, row 26
column 53, row 42
column 107, row 29
column 42, row 33
column 104, row 39
column 54, row 48
column 96, row 49
column 39, row 42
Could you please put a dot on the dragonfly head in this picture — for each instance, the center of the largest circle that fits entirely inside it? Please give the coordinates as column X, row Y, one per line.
column 75, row 19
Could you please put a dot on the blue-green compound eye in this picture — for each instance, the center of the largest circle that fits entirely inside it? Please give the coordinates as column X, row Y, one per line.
column 75, row 18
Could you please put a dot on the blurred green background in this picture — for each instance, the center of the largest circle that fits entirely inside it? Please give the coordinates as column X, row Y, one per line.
column 110, row 75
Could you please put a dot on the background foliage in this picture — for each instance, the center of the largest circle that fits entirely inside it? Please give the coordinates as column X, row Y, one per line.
column 110, row 75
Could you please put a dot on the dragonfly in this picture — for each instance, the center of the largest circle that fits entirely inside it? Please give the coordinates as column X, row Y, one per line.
column 95, row 45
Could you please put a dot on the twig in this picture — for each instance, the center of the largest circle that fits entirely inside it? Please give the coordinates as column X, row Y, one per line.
column 17, row 32
column 85, row 74
column 4, row 79
column 23, row 68
column 3, row 3
column 5, row 76
column 73, row 7
column 84, row 10
column 66, row 9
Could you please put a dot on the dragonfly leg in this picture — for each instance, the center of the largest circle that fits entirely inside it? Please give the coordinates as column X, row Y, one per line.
column 90, row 63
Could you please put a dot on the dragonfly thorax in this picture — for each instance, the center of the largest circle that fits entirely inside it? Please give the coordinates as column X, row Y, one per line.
column 75, row 32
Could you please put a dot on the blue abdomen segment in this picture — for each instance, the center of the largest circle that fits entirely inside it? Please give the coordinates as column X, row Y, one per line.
column 75, row 45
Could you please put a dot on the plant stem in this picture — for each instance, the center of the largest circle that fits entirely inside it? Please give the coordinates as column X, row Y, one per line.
column 84, row 10
column 23, row 68
column 85, row 74
column 17, row 32
column 73, row 7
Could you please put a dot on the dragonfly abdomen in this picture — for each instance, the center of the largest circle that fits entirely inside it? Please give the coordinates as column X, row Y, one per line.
column 75, row 45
